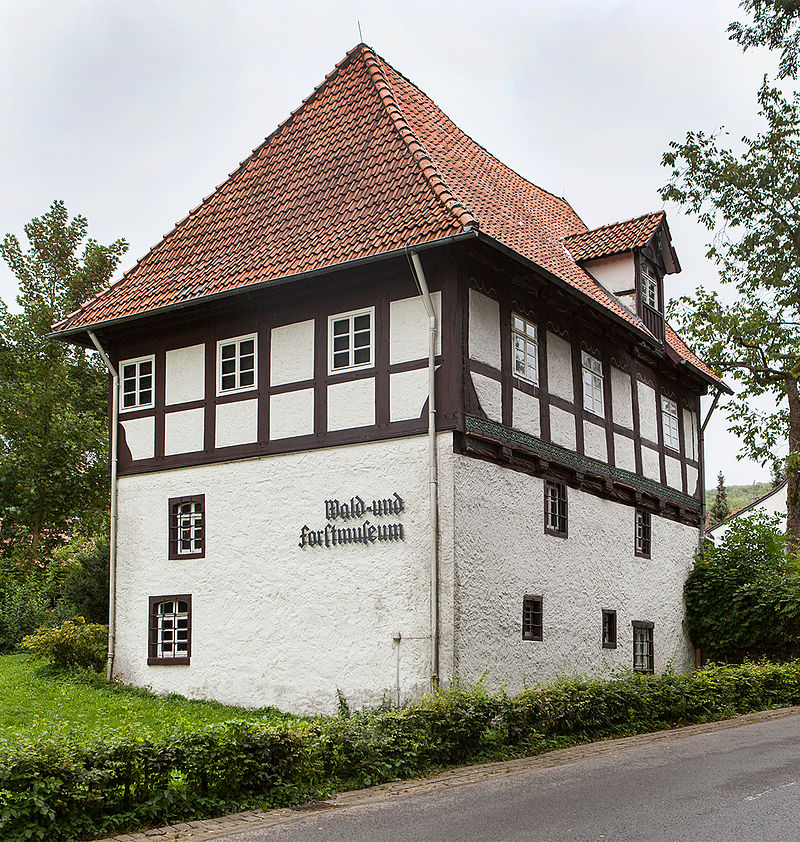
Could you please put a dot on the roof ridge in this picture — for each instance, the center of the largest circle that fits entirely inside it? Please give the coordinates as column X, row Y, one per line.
column 660, row 213
column 430, row 172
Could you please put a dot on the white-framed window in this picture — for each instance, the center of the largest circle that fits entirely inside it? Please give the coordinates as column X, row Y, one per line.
column 525, row 349
column 236, row 364
column 136, row 383
column 351, row 340
column 555, row 508
column 187, row 527
column 592, row 384
column 170, row 629
column 669, row 417
column 649, row 285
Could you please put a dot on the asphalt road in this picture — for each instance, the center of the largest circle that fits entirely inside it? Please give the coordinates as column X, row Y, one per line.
column 739, row 783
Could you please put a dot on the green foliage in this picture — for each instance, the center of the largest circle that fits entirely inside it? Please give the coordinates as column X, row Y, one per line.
column 75, row 643
column 740, row 496
column 53, row 397
column 79, row 574
column 720, row 508
column 776, row 25
column 24, row 606
column 743, row 596
column 56, row 789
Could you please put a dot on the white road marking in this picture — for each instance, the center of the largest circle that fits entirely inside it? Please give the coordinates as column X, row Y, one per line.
column 767, row 791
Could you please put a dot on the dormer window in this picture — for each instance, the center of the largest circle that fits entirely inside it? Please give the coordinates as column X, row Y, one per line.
column 649, row 285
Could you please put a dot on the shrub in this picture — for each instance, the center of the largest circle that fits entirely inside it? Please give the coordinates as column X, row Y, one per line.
column 743, row 596
column 84, row 581
column 23, row 608
column 75, row 643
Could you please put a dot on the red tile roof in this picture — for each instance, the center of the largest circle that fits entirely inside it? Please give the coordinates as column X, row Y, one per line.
column 614, row 238
column 365, row 166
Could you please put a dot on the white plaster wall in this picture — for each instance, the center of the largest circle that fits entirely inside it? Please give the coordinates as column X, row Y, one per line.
column 624, row 453
column 351, row 404
column 184, row 431
column 237, row 423
column 615, row 273
column 408, row 392
column 690, row 433
column 274, row 623
column 409, row 326
column 648, row 419
column 562, row 428
column 692, row 476
column 291, row 414
column 291, row 354
column 594, row 441
column 559, row 366
column 526, row 413
column 674, row 478
column 502, row 554
column 484, row 329
column 185, row 375
column 621, row 401
column 650, row 464
column 490, row 395
column 140, row 436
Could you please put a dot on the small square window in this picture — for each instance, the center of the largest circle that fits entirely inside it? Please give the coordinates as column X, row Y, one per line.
column 532, row 618
column 351, row 340
column 236, row 364
column 555, row 508
column 643, row 533
column 170, row 629
column 642, row 646
column 187, row 527
column 136, row 383
column 525, row 349
column 669, row 417
column 609, row 629
column 592, row 371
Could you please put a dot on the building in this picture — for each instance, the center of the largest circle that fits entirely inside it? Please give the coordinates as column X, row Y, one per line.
column 295, row 515
column 774, row 502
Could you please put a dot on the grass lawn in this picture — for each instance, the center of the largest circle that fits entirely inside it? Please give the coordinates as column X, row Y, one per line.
column 33, row 704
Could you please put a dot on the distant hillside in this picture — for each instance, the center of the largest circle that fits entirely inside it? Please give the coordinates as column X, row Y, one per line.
column 740, row 496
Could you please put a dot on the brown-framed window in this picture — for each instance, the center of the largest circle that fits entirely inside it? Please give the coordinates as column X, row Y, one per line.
column 169, row 629
column 642, row 646
column 531, row 617
column 643, row 533
column 555, row 508
column 609, row 628
column 187, row 526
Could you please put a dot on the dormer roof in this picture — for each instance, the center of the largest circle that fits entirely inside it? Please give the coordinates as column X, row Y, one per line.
column 366, row 166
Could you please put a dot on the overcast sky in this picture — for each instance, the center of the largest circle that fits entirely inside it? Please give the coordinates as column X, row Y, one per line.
column 132, row 112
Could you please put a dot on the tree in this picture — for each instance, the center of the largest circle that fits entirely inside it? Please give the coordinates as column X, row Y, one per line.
column 720, row 508
column 53, row 398
column 751, row 201
column 776, row 25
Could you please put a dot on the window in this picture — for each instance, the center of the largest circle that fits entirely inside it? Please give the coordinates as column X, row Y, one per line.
column 170, row 629
column 187, row 537
column 526, row 349
column 351, row 340
column 555, row 508
column 669, row 416
column 609, row 629
column 642, row 541
column 236, row 364
column 649, row 285
column 136, row 383
column 642, row 646
column 531, row 618
column 592, row 384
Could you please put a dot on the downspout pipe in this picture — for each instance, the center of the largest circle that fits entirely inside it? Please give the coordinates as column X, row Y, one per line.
column 112, row 572
column 701, row 445
column 433, row 473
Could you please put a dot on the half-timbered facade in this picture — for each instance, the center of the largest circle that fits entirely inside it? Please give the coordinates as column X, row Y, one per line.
column 289, row 520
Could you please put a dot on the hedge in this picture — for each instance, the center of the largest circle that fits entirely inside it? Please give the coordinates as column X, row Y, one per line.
column 54, row 790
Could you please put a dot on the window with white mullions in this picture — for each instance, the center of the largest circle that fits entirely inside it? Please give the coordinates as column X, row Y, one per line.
column 187, row 527
column 136, row 383
column 351, row 339
column 555, row 508
column 669, row 416
column 643, row 541
column 642, row 646
column 170, row 629
column 592, row 384
column 649, row 285
column 526, row 349
column 236, row 364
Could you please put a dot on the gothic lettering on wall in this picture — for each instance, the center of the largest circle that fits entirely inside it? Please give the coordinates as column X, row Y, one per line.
column 333, row 534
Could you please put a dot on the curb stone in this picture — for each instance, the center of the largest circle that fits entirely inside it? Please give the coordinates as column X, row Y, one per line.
column 207, row 829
